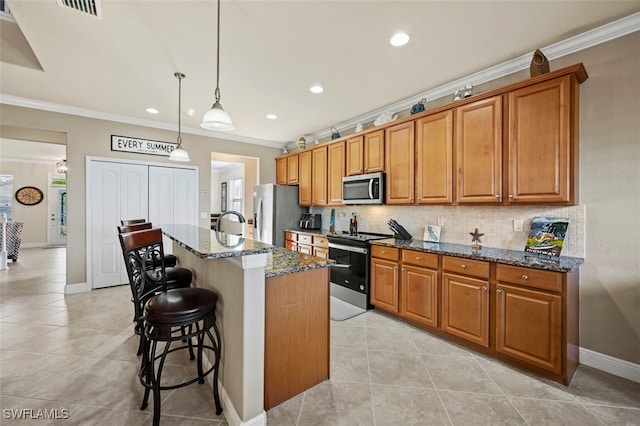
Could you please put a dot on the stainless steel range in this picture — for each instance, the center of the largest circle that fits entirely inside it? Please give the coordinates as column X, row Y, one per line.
column 350, row 273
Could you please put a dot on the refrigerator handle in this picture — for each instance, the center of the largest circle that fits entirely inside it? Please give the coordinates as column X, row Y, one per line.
column 258, row 219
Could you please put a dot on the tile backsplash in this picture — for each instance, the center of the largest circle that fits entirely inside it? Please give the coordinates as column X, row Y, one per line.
column 495, row 222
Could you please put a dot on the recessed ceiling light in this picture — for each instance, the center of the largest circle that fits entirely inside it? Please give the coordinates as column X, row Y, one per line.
column 152, row 110
column 191, row 112
column 272, row 116
column 316, row 89
column 399, row 39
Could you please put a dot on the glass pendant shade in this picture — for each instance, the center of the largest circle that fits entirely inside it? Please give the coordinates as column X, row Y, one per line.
column 217, row 119
column 179, row 154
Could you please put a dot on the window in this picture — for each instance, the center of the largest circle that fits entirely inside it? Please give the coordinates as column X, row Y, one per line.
column 236, row 194
column 6, row 195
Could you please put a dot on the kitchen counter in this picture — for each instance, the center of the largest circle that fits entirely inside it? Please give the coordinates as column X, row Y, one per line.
column 208, row 244
column 283, row 261
column 508, row 257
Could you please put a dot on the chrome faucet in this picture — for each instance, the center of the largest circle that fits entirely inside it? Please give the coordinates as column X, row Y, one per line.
column 241, row 219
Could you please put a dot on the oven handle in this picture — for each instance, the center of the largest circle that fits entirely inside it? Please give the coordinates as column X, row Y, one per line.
column 348, row 248
column 339, row 265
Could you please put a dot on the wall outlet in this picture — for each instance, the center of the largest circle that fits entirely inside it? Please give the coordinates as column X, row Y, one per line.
column 441, row 221
column 518, row 225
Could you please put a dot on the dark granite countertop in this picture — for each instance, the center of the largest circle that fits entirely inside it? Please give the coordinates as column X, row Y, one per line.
column 283, row 261
column 507, row 257
column 208, row 244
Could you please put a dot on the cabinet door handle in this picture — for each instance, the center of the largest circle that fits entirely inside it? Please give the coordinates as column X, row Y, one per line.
column 417, row 257
column 499, row 291
column 525, row 276
column 484, row 288
column 511, row 196
column 498, row 196
column 382, row 252
column 463, row 266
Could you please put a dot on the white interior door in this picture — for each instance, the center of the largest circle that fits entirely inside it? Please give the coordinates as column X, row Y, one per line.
column 118, row 191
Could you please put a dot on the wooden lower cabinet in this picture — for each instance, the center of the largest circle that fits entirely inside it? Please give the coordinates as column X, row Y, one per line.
column 465, row 308
column 529, row 326
column 525, row 316
column 384, row 284
column 419, row 288
column 307, row 243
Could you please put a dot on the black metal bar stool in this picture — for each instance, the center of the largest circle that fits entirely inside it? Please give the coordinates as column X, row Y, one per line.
column 176, row 277
column 138, row 225
column 165, row 318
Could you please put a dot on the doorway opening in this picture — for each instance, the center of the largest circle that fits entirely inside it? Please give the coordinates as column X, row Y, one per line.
column 233, row 178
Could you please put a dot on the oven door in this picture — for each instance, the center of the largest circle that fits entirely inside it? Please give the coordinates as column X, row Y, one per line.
column 350, row 269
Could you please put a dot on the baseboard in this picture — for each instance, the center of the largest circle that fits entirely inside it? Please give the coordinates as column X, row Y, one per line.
column 76, row 288
column 228, row 409
column 617, row 367
column 32, row 245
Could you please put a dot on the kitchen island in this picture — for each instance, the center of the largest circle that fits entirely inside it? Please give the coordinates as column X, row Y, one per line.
column 273, row 312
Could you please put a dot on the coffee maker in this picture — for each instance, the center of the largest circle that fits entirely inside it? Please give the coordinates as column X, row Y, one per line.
column 310, row 221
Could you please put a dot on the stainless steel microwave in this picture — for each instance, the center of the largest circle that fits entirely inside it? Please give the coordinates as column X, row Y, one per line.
column 363, row 189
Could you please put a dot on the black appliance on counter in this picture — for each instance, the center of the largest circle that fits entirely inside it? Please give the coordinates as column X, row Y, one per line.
column 350, row 274
column 310, row 221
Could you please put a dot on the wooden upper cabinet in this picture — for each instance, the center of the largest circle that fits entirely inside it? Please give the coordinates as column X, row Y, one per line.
column 304, row 173
column 281, row 171
column 478, row 151
column 399, row 163
column 434, row 159
column 335, row 172
column 374, row 152
column 293, row 169
column 542, row 146
column 355, row 155
column 319, row 176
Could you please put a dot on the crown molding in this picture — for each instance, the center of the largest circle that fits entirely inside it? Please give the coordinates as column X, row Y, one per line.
column 99, row 115
column 602, row 34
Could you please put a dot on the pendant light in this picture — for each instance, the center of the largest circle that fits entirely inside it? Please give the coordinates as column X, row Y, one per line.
column 217, row 118
column 179, row 154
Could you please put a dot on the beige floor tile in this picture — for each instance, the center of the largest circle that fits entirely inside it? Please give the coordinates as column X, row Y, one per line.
column 616, row 416
column 380, row 339
column 474, row 409
column 400, row 369
column 287, row 413
column 348, row 337
column 427, row 343
column 459, row 374
column 545, row 412
column 349, row 365
column 591, row 386
column 394, row 405
column 337, row 404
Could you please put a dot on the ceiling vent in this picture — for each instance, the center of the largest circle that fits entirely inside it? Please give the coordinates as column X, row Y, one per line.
column 88, row 7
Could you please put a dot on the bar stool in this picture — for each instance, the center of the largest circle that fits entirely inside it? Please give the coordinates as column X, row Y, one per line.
column 165, row 318
column 176, row 277
column 170, row 260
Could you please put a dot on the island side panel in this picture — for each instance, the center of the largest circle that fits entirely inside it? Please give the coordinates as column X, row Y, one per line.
column 241, row 379
column 296, row 334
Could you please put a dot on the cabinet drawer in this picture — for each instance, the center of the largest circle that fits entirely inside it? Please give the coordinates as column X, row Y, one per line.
column 388, row 253
column 418, row 258
column 535, row 278
column 290, row 236
column 305, row 238
column 320, row 241
column 474, row 268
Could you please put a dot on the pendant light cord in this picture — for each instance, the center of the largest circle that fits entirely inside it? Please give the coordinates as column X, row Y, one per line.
column 217, row 92
column 179, row 76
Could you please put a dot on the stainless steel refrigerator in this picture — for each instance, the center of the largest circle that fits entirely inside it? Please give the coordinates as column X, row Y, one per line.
column 275, row 208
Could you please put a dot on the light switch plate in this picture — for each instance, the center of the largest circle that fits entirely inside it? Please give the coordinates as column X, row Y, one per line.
column 518, row 225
